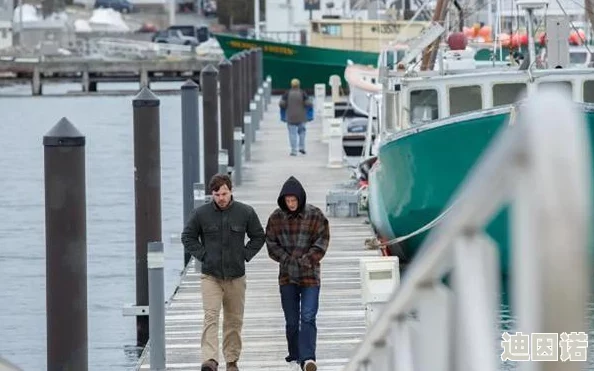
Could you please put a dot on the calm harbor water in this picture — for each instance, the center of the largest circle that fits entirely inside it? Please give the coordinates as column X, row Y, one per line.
column 106, row 121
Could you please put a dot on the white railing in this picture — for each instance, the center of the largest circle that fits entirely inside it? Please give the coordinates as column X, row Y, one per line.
column 540, row 166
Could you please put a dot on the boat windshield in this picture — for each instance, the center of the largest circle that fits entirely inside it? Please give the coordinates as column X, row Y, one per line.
column 392, row 57
column 578, row 57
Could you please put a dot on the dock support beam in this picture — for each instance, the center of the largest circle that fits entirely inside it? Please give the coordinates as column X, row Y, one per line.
column 147, row 193
column 210, row 107
column 190, row 148
column 227, row 107
column 236, row 91
column 36, row 85
column 66, row 248
column 237, row 152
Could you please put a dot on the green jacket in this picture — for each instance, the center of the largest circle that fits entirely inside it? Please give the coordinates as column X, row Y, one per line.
column 216, row 238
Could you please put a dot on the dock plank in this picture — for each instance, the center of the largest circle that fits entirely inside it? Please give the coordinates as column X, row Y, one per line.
column 341, row 316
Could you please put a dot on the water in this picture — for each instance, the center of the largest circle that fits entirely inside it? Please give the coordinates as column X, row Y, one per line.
column 107, row 123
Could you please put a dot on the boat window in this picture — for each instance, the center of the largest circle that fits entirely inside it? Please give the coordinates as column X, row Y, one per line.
column 331, row 29
column 589, row 91
column 563, row 85
column 465, row 99
column 578, row 57
column 510, row 93
column 423, row 105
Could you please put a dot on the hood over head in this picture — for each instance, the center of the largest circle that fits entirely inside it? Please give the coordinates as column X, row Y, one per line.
column 292, row 187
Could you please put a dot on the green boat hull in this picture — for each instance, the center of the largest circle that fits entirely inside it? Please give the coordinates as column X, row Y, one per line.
column 284, row 61
column 311, row 65
column 416, row 176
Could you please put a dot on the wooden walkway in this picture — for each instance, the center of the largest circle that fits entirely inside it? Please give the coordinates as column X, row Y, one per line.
column 341, row 316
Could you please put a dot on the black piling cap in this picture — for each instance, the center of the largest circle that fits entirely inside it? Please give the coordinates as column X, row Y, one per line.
column 209, row 70
column 189, row 84
column 224, row 64
column 64, row 134
column 145, row 98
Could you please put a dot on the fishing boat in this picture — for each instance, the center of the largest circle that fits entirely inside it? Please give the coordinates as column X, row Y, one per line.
column 434, row 127
column 324, row 50
column 284, row 61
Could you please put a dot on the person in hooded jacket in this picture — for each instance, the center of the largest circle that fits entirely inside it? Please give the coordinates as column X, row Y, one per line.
column 297, row 237
column 215, row 236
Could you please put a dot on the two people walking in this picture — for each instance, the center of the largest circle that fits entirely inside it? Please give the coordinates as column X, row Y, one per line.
column 296, row 236
column 295, row 102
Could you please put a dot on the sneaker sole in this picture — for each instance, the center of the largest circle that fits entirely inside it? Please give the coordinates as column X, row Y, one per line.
column 311, row 367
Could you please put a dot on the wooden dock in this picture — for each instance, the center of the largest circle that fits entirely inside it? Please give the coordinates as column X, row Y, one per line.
column 341, row 316
column 90, row 72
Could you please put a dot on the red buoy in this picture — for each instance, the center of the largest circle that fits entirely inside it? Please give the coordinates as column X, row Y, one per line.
column 457, row 41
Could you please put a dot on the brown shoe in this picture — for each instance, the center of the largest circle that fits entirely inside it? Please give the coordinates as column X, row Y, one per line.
column 232, row 366
column 310, row 365
column 210, row 365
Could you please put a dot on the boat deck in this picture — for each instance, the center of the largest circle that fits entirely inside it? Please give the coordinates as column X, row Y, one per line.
column 341, row 316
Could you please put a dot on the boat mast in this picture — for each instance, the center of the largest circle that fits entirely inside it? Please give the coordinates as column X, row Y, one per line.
column 257, row 19
column 429, row 54
column 590, row 14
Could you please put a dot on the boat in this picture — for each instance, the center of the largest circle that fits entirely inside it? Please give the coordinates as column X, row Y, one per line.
column 323, row 50
column 434, row 127
column 284, row 61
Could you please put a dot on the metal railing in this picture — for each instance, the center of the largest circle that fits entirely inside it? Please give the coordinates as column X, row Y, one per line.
column 541, row 167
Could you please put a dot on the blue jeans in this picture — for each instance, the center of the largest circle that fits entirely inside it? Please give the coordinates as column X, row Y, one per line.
column 296, row 137
column 301, row 340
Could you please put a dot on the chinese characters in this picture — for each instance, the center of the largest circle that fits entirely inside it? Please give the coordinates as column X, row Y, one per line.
column 544, row 346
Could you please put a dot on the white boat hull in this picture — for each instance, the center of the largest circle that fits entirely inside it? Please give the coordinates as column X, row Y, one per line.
column 362, row 82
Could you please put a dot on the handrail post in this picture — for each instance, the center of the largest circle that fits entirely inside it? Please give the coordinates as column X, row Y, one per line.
column 155, row 264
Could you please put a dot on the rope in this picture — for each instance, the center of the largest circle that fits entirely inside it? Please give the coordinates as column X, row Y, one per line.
column 427, row 226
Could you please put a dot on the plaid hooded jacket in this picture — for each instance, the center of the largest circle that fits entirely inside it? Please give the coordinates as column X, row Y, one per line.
column 297, row 240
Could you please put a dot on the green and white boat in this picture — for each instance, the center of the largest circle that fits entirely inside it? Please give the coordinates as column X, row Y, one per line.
column 433, row 129
column 443, row 126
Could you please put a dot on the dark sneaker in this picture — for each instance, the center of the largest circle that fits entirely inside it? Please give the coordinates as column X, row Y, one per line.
column 232, row 366
column 210, row 365
column 302, row 151
column 293, row 153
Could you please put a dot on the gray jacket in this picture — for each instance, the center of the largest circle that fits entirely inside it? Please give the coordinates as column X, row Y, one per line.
column 216, row 238
column 295, row 102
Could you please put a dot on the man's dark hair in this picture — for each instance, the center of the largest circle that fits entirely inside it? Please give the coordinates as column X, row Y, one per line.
column 219, row 180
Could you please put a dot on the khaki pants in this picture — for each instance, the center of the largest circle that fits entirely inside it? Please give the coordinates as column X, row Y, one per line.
column 230, row 294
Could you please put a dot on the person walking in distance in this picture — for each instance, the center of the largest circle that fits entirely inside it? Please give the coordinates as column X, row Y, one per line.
column 297, row 237
column 215, row 236
column 295, row 102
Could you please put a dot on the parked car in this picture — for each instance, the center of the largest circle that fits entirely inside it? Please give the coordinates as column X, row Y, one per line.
column 174, row 37
column 122, row 6
column 201, row 33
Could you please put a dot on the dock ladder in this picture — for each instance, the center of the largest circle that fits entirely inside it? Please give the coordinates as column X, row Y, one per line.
column 539, row 167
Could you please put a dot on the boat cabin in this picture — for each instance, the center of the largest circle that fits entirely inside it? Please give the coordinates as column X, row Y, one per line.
column 419, row 99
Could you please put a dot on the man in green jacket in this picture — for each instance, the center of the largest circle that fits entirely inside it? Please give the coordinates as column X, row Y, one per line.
column 215, row 236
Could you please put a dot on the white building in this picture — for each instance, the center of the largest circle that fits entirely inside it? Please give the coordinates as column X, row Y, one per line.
column 290, row 16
